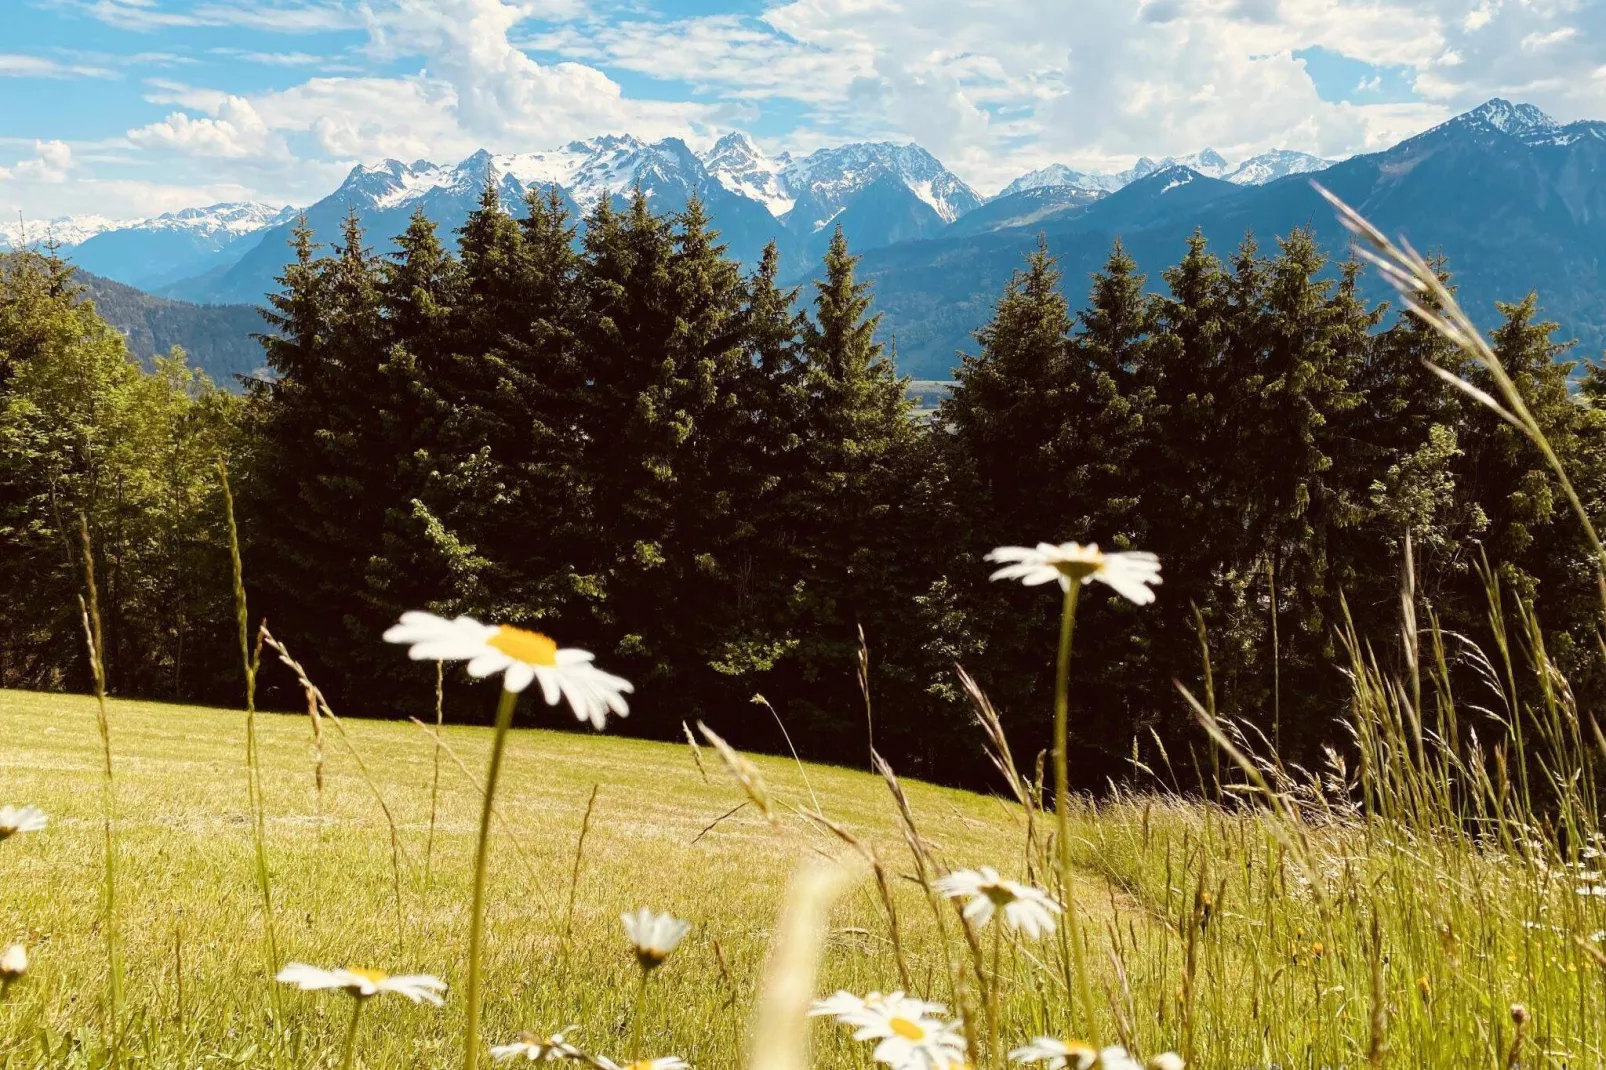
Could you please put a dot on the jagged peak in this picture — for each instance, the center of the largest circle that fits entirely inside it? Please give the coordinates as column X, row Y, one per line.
column 1508, row 118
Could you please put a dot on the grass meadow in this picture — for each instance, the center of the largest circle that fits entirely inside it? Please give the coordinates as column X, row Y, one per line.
column 198, row 988
column 1246, row 937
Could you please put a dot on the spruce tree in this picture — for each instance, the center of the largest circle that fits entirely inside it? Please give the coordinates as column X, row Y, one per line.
column 850, row 507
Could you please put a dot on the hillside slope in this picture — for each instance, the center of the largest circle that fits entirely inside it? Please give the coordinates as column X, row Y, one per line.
column 655, row 837
column 218, row 338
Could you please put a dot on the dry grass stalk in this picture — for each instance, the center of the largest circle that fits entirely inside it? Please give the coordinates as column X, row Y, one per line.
column 781, row 1024
column 89, row 605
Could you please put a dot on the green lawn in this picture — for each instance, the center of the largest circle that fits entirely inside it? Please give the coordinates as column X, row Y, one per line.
column 1323, row 938
column 190, row 909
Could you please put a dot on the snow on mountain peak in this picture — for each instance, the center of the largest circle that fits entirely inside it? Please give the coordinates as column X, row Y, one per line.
column 229, row 218
column 1255, row 171
column 1278, row 163
column 66, row 230
column 829, row 176
column 1209, row 163
column 741, row 167
column 1509, row 118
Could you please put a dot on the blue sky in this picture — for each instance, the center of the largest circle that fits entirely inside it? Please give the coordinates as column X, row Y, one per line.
column 132, row 107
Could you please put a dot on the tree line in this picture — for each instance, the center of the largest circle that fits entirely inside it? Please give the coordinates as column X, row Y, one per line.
column 606, row 430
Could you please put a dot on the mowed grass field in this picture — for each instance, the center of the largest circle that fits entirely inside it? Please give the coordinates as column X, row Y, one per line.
column 190, row 910
column 1329, row 936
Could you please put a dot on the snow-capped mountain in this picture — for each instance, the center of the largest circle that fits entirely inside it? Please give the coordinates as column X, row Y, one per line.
column 232, row 218
column 1256, row 171
column 238, row 218
column 826, row 181
column 809, row 192
column 585, row 170
column 738, row 165
column 1524, row 122
column 157, row 250
column 1209, row 163
column 1278, row 163
column 878, row 193
column 1518, row 120
column 1057, row 174
column 68, row 230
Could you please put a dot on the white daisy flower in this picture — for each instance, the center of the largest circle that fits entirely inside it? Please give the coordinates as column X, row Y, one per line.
column 667, row 1062
column 653, row 936
column 1116, row 1057
column 1025, row 908
column 1057, row 1054
column 1132, row 573
column 522, row 657
column 911, row 1040
column 364, row 984
column 537, row 1048
column 850, row 1009
column 18, row 819
column 1168, row 1060
column 13, row 963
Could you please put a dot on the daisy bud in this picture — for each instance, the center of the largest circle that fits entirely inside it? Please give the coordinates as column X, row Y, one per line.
column 13, row 963
column 653, row 936
column 1519, row 1014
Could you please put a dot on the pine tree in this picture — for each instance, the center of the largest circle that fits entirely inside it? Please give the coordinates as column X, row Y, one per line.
column 849, row 506
column 324, row 484
column 1009, row 410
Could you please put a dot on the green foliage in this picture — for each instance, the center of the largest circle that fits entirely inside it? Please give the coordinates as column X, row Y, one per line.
column 86, row 433
column 219, row 339
column 1259, row 431
column 718, row 486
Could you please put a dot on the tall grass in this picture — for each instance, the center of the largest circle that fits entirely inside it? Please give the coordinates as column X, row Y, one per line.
column 251, row 660
column 95, row 645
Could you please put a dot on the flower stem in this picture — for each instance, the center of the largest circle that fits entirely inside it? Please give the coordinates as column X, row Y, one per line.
column 349, row 1059
column 476, row 922
column 995, row 995
column 1062, row 797
column 641, row 1013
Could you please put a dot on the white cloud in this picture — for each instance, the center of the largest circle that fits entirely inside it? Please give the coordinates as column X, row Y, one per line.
column 273, row 59
column 16, row 65
column 50, row 163
column 498, row 91
column 236, row 132
column 148, row 15
column 994, row 86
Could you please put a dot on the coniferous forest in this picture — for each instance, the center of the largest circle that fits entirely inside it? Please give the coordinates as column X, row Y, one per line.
column 607, row 430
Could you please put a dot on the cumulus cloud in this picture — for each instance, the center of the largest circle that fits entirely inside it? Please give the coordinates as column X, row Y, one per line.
column 235, row 132
column 50, row 163
column 993, row 87
column 497, row 90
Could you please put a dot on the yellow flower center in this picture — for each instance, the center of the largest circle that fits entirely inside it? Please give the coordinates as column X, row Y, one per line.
column 1083, row 567
column 532, row 648
column 998, row 893
column 371, row 976
column 906, row 1029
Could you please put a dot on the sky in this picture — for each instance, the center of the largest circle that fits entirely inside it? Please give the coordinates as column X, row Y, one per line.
column 128, row 108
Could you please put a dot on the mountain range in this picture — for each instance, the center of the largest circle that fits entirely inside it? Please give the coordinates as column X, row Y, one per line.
column 1515, row 199
column 879, row 193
